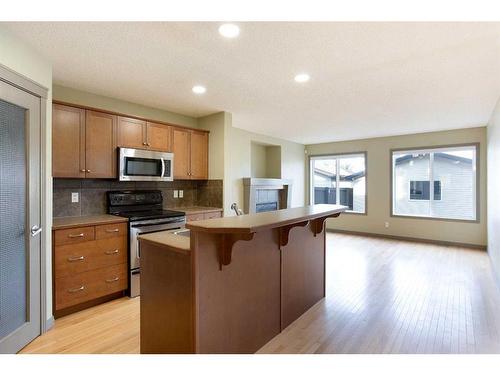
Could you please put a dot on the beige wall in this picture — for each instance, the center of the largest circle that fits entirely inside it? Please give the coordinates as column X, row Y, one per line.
column 27, row 62
column 494, row 190
column 216, row 125
column 74, row 96
column 238, row 156
column 258, row 160
column 378, row 188
column 230, row 158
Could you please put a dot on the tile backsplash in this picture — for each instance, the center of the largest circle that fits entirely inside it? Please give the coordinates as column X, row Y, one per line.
column 92, row 194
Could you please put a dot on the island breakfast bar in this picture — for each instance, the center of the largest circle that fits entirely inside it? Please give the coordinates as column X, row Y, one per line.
column 234, row 283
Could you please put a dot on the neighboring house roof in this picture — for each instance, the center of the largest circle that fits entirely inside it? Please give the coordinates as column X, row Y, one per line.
column 351, row 177
column 441, row 155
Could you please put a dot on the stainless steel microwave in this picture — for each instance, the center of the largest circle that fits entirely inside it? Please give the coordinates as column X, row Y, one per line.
column 145, row 165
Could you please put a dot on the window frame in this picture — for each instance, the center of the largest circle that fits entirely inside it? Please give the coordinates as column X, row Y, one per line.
column 432, row 149
column 343, row 155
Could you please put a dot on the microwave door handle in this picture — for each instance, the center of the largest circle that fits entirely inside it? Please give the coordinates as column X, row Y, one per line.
column 162, row 167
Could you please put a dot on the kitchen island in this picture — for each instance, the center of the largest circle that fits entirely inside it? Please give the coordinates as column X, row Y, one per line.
column 234, row 283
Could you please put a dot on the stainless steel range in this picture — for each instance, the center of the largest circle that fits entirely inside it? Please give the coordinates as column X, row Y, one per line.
column 144, row 210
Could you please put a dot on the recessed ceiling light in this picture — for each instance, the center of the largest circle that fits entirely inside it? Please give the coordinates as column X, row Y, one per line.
column 229, row 30
column 301, row 78
column 199, row 89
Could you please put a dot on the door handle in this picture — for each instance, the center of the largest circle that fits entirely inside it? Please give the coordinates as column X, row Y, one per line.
column 35, row 230
column 75, row 290
column 162, row 167
column 76, row 259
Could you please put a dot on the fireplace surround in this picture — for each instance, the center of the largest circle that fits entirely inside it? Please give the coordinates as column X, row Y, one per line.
column 266, row 194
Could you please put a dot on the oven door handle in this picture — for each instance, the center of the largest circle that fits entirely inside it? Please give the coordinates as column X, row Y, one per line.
column 162, row 167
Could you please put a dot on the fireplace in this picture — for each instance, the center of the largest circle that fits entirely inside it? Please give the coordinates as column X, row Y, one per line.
column 266, row 194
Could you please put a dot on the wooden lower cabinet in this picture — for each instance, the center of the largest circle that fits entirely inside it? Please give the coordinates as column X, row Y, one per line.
column 89, row 263
column 85, row 286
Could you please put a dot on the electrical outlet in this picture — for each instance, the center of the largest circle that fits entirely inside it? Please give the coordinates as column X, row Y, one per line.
column 181, row 193
column 387, row 224
column 176, row 193
column 74, row 197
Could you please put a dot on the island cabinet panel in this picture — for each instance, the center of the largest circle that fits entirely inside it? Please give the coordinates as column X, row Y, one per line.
column 100, row 145
column 159, row 137
column 166, row 301
column 199, row 155
column 181, row 151
column 131, row 132
column 237, row 308
column 68, row 141
column 303, row 273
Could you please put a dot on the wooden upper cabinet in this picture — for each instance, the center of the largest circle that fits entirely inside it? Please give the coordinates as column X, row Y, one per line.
column 181, row 151
column 199, row 155
column 158, row 137
column 68, row 141
column 131, row 133
column 85, row 141
column 100, row 145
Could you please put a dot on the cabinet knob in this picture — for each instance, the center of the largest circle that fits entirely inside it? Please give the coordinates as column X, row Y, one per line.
column 144, row 144
column 82, row 170
column 148, row 144
column 88, row 170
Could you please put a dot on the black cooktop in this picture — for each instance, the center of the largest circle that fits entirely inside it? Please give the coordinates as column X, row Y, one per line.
column 139, row 205
column 149, row 214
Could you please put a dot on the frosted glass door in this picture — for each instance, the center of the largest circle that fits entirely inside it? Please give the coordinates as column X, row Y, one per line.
column 19, row 211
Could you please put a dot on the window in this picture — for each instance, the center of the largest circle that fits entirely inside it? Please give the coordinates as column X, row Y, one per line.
column 339, row 179
column 436, row 183
column 420, row 190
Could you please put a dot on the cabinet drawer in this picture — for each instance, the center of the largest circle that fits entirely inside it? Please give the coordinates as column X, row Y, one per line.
column 213, row 215
column 76, row 258
column 110, row 230
column 74, row 235
column 195, row 217
column 86, row 286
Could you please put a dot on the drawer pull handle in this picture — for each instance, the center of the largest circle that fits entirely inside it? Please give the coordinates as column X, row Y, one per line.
column 113, row 280
column 76, row 259
column 76, row 235
column 116, row 230
column 111, row 252
column 76, row 289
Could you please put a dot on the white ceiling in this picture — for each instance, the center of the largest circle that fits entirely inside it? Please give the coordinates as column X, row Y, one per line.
column 367, row 79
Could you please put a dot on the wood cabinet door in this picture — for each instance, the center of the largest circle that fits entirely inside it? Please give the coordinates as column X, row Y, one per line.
column 181, row 150
column 199, row 155
column 131, row 133
column 159, row 137
column 100, row 145
column 68, row 141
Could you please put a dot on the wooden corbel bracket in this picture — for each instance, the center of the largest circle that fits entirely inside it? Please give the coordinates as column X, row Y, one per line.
column 285, row 232
column 318, row 224
column 227, row 240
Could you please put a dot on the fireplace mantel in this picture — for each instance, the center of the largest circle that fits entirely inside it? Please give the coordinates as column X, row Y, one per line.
column 252, row 185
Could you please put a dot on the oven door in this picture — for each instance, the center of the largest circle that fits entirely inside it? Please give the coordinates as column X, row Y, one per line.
column 145, row 165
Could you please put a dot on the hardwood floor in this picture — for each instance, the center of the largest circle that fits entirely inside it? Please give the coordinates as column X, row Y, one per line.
column 383, row 296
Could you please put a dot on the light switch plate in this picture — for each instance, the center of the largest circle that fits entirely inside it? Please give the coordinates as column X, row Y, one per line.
column 74, row 197
column 181, row 193
column 176, row 193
